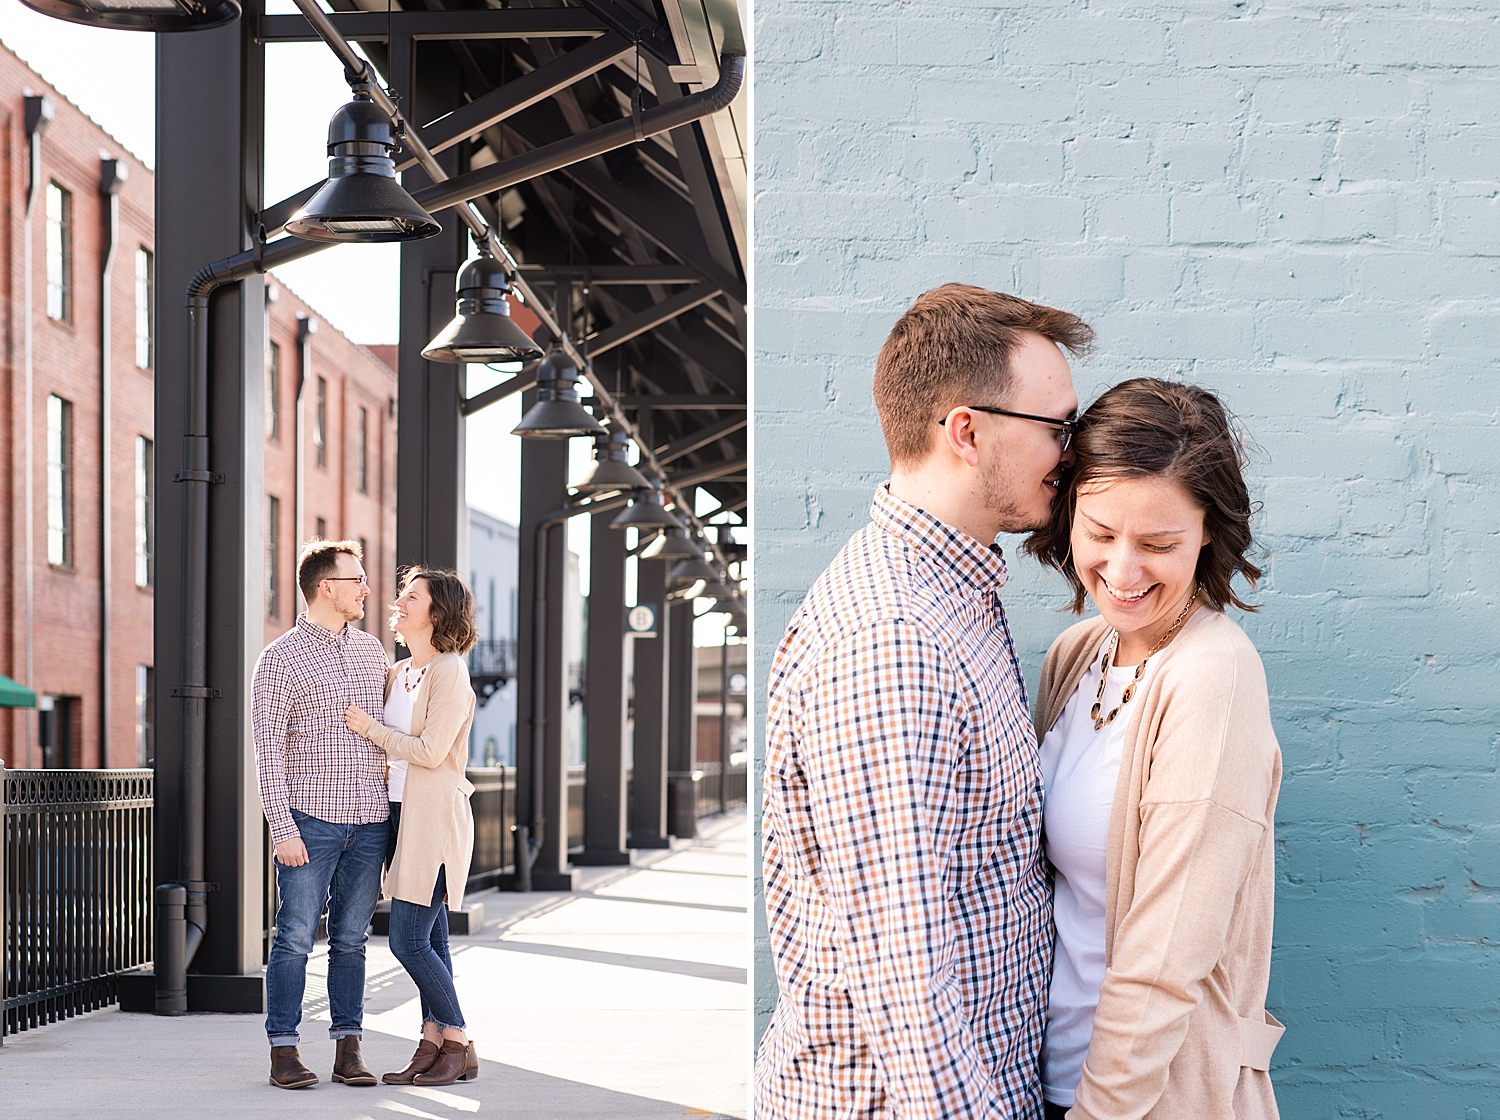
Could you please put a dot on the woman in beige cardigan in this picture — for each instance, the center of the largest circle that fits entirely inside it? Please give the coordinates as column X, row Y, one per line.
column 1161, row 772
column 429, row 706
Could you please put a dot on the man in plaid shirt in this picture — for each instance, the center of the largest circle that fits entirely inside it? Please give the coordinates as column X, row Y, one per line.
column 323, row 790
column 909, row 910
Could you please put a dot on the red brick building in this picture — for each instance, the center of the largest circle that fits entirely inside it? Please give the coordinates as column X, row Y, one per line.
column 75, row 601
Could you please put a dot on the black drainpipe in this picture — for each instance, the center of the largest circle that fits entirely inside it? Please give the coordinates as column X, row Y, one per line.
column 112, row 174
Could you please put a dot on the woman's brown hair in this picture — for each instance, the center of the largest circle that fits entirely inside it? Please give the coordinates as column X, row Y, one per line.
column 452, row 609
column 1148, row 428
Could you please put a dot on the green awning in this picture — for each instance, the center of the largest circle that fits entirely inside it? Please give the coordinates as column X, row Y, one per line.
column 13, row 695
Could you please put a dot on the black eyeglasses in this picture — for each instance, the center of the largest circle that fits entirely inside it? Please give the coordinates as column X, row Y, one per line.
column 357, row 579
column 1065, row 428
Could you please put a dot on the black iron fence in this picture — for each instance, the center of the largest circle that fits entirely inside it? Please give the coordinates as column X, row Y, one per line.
column 75, row 899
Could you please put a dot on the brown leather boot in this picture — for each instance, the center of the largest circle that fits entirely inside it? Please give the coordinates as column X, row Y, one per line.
column 348, row 1066
column 287, row 1070
column 455, row 1062
column 421, row 1062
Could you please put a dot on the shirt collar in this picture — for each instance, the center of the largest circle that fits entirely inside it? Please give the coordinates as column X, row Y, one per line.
column 322, row 634
column 979, row 565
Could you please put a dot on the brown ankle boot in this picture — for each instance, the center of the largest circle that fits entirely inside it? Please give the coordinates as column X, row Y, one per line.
column 455, row 1062
column 287, row 1070
column 348, row 1066
column 421, row 1062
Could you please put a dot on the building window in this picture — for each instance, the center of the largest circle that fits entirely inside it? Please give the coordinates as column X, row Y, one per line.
column 273, row 394
column 320, row 528
column 320, row 424
column 145, row 307
column 59, row 253
column 59, row 481
column 273, row 550
column 145, row 512
column 145, row 717
column 361, row 476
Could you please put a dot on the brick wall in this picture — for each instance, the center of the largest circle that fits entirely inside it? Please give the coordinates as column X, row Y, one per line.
column 65, row 653
column 1295, row 206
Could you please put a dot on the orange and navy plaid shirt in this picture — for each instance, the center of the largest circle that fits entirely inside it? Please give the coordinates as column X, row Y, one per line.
column 909, row 911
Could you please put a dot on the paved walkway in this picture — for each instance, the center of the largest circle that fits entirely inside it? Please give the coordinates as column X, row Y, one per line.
column 626, row 1000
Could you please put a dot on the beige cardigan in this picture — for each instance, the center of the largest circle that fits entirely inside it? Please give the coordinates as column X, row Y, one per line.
column 1182, row 1032
column 437, row 826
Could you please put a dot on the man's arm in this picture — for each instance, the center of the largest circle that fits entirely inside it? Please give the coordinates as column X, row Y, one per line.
column 270, row 719
column 885, row 729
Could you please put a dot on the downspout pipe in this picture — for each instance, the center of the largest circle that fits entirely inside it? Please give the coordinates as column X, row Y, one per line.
column 307, row 326
column 182, row 907
column 530, row 836
column 39, row 114
column 112, row 176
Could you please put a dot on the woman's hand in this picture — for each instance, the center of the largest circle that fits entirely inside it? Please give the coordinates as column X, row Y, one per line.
column 356, row 720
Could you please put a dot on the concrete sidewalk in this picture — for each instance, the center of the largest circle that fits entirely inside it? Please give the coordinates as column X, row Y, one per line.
column 627, row 999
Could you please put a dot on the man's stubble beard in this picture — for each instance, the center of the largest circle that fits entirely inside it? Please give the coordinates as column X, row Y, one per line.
column 998, row 492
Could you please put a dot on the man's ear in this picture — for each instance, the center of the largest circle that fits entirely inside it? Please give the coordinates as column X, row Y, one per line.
column 960, row 436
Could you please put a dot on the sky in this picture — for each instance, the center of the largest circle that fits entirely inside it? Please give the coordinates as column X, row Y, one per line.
column 111, row 75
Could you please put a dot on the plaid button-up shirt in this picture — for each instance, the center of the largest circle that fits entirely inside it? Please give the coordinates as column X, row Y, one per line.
column 909, row 911
column 305, row 757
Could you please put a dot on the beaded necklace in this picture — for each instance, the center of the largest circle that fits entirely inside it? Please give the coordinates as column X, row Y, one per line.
column 1109, row 654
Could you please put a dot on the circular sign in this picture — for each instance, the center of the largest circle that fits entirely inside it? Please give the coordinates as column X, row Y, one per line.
column 641, row 619
column 738, row 682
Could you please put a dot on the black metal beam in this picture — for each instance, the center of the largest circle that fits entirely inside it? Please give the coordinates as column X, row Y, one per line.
column 612, row 275
column 517, row 384
column 525, row 91
column 682, row 403
column 698, row 476
column 649, row 319
column 691, row 442
column 604, row 793
column 481, row 23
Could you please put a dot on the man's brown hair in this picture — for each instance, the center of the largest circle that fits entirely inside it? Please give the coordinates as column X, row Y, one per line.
column 319, row 561
column 953, row 347
column 1144, row 428
column 451, row 610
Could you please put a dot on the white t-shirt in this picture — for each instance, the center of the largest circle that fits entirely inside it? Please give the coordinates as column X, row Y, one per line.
column 1080, row 767
column 398, row 711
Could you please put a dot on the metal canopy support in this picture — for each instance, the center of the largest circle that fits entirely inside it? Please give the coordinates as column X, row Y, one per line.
column 701, row 438
column 604, row 774
column 544, row 473
column 682, row 689
column 431, row 515
column 483, row 23
column 654, row 316
column 207, row 183
column 648, row 815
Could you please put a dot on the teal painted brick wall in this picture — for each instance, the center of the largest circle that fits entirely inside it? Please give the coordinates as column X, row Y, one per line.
column 1297, row 206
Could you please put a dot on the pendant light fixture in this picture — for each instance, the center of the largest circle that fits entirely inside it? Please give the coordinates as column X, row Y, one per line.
column 612, row 471
column 674, row 544
column 481, row 329
column 141, row 15
column 557, row 413
column 646, row 510
column 691, row 571
column 362, row 201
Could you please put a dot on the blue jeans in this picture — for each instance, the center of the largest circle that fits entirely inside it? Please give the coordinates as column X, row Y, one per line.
column 419, row 940
column 343, row 871
column 439, row 936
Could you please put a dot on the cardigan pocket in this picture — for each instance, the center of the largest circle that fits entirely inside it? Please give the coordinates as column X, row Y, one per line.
column 1258, row 1039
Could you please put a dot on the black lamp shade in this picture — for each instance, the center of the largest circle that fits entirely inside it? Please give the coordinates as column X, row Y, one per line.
column 557, row 413
column 691, row 571
column 672, row 545
column 481, row 329
column 645, row 511
column 362, row 201
column 141, row 15
column 716, row 590
column 612, row 471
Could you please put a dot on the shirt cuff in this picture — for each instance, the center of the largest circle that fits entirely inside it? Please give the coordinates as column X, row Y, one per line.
column 283, row 829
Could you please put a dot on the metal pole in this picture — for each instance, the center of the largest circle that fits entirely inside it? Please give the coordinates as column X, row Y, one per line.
column 111, row 179
column 723, row 717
